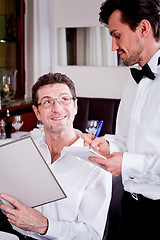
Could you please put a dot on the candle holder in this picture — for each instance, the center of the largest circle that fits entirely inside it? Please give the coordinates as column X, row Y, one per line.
column 8, row 87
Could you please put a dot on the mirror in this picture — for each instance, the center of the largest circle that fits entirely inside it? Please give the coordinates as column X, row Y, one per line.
column 86, row 46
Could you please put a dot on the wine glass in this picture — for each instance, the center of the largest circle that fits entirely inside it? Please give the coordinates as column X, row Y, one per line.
column 92, row 126
column 17, row 122
column 40, row 126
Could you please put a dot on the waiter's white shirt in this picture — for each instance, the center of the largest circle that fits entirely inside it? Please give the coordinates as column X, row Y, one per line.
column 82, row 215
column 138, row 134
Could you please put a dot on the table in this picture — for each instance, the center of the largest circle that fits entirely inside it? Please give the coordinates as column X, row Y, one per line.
column 35, row 133
column 24, row 108
column 7, row 236
column 14, row 136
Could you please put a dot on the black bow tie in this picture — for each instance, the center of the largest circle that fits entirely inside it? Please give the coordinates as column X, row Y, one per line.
column 144, row 72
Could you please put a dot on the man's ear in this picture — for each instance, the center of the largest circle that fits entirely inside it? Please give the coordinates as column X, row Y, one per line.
column 36, row 111
column 145, row 28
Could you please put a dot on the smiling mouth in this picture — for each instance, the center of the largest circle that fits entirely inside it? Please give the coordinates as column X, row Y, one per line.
column 121, row 53
column 58, row 118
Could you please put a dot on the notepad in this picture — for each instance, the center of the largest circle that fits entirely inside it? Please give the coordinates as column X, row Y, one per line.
column 83, row 153
column 25, row 175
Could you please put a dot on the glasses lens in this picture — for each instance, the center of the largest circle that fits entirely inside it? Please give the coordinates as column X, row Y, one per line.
column 65, row 100
column 47, row 103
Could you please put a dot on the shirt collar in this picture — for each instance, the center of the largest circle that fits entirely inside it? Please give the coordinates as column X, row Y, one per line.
column 153, row 62
column 78, row 142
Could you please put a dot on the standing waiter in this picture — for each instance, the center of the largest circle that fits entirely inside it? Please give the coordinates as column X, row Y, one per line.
column 134, row 26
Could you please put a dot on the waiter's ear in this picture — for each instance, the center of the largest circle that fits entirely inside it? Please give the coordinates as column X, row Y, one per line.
column 145, row 28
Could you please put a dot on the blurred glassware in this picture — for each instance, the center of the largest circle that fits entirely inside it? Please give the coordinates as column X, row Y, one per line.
column 8, row 86
column 40, row 126
column 2, row 129
column 92, row 126
column 17, row 122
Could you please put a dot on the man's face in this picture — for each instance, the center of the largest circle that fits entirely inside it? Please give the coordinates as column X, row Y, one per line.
column 127, row 43
column 57, row 118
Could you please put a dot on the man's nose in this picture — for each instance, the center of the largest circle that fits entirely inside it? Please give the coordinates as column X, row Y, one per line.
column 115, row 46
column 56, row 105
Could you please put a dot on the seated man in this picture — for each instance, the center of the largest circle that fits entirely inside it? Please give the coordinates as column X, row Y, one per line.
column 82, row 215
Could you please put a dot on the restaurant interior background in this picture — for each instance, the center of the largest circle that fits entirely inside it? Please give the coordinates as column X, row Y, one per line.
column 39, row 36
column 43, row 44
column 43, row 20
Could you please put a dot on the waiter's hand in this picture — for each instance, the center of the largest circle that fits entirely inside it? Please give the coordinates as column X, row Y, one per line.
column 24, row 217
column 98, row 144
column 112, row 163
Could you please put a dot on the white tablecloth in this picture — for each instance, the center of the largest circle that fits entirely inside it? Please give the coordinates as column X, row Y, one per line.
column 35, row 133
column 7, row 236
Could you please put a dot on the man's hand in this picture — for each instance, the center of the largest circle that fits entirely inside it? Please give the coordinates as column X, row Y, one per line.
column 24, row 217
column 98, row 144
column 113, row 163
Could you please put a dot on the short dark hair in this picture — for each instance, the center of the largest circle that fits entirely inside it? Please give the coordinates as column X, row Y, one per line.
column 133, row 12
column 51, row 78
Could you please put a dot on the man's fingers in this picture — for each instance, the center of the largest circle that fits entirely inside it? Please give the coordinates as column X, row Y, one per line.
column 87, row 137
column 11, row 200
column 100, row 161
column 112, row 163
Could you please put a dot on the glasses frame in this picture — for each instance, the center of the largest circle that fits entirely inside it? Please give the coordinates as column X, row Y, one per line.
column 58, row 100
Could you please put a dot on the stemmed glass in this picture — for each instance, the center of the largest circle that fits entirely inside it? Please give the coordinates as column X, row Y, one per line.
column 92, row 126
column 17, row 122
column 40, row 126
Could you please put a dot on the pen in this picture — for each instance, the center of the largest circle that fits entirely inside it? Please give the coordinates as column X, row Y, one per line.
column 98, row 129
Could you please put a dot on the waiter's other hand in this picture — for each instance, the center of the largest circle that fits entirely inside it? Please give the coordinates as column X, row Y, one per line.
column 112, row 163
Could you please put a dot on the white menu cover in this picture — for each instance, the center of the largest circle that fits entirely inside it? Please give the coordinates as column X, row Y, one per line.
column 25, row 175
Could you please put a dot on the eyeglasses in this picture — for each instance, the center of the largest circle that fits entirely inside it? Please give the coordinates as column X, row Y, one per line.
column 49, row 102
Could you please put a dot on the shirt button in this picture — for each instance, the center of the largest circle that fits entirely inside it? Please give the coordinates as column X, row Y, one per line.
column 131, row 177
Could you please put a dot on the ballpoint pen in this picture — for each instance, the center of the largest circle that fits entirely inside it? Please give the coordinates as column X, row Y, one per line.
column 98, row 129
column 95, row 136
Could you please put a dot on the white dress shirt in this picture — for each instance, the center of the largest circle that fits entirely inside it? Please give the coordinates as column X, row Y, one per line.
column 138, row 134
column 82, row 215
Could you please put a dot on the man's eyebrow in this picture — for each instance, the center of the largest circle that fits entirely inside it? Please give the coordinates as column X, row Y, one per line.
column 45, row 97
column 61, row 94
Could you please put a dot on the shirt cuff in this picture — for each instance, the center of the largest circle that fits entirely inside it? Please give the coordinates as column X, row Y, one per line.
column 54, row 229
column 132, row 166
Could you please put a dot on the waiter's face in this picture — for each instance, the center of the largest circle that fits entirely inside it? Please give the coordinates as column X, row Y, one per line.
column 128, row 43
